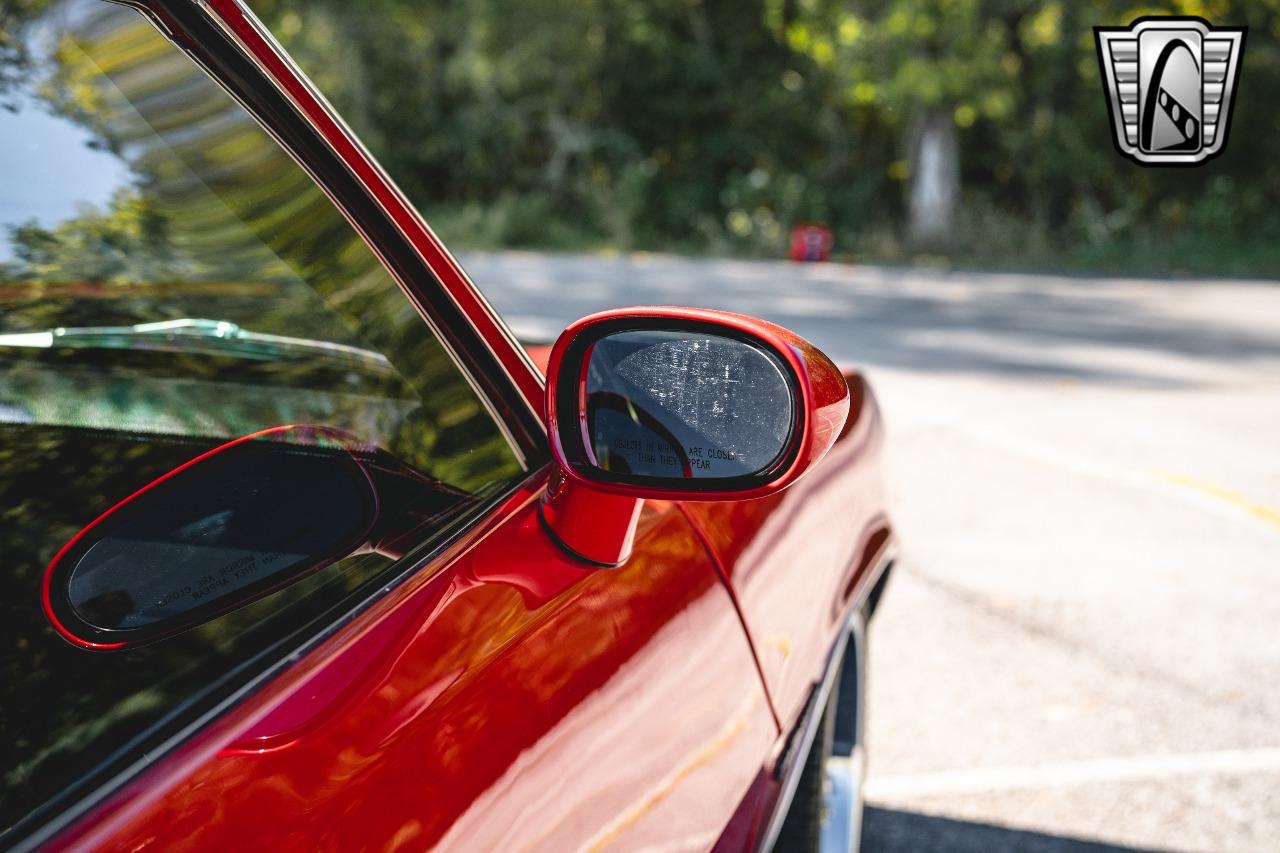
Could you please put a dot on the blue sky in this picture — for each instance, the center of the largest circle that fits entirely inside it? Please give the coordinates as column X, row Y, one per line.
column 48, row 169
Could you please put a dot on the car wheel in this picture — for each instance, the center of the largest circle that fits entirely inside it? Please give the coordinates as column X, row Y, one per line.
column 826, row 811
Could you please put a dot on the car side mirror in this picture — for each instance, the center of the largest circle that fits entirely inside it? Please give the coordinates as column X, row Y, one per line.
column 231, row 526
column 678, row 404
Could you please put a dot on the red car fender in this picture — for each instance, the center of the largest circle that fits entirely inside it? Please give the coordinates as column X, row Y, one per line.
column 793, row 579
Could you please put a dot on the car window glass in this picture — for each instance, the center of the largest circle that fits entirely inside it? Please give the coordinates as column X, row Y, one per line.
column 170, row 280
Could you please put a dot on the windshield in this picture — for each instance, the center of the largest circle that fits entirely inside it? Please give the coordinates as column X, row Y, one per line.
column 170, row 280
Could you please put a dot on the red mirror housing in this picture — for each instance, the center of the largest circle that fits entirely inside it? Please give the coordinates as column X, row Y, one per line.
column 761, row 401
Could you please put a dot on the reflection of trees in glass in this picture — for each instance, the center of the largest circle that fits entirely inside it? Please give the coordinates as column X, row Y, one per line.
column 219, row 223
column 127, row 242
column 213, row 197
column 214, row 220
column 14, row 57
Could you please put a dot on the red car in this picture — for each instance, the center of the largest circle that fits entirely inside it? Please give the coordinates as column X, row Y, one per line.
column 301, row 550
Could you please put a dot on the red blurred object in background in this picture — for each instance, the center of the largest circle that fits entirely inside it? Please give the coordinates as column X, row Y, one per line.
column 811, row 242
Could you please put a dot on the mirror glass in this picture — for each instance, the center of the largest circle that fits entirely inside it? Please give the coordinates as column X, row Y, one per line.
column 212, row 535
column 685, row 405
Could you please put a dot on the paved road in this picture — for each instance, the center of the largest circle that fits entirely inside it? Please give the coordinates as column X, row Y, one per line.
column 1081, row 647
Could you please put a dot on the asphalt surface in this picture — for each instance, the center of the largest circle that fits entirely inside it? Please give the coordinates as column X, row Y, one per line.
column 1080, row 649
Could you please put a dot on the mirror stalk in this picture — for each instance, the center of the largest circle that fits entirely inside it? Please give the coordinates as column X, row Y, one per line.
column 593, row 526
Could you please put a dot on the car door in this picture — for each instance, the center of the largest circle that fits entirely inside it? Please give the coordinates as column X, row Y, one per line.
column 173, row 281
column 512, row 699
column 797, row 561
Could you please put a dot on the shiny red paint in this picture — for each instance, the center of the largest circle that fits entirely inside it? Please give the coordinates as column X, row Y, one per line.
column 511, row 696
column 797, row 560
column 540, row 355
column 823, row 401
column 597, row 527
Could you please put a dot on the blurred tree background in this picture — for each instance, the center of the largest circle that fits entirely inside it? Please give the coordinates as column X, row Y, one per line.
column 713, row 126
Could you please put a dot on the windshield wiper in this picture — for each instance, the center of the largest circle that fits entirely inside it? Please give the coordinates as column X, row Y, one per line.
column 215, row 337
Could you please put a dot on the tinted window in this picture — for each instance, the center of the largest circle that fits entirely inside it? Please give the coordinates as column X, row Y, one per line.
column 171, row 280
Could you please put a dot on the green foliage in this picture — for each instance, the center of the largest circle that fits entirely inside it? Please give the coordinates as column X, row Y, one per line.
column 701, row 125
column 126, row 244
column 216, row 221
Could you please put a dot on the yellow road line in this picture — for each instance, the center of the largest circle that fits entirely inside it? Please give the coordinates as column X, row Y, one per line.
column 1266, row 513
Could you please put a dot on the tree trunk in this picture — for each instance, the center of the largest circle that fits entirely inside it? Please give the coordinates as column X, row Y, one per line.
column 935, row 179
